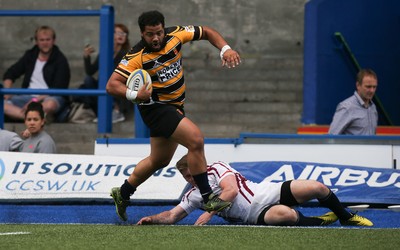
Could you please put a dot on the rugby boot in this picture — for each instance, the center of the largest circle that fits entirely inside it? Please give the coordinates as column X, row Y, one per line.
column 120, row 203
column 327, row 218
column 216, row 204
column 357, row 220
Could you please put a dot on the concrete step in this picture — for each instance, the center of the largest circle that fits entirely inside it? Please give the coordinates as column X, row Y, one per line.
column 245, row 119
column 240, row 108
column 243, row 96
column 242, row 85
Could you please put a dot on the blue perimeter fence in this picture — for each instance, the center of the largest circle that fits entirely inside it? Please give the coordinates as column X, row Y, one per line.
column 106, row 14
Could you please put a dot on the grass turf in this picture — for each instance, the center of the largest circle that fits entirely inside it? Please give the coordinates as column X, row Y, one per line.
column 95, row 236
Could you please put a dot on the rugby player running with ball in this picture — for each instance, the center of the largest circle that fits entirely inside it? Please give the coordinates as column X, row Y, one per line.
column 160, row 53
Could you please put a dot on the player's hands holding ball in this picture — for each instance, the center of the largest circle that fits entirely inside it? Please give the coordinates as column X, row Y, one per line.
column 139, row 86
column 229, row 57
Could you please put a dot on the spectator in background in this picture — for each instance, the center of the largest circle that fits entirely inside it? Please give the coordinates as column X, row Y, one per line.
column 121, row 47
column 9, row 141
column 44, row 66
column 37, row 140
column 357, row 115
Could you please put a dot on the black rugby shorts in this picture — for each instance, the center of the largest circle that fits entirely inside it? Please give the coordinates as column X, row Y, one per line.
column 162, row 119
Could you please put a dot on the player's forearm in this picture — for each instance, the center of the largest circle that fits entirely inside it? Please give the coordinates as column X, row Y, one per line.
column 214, row 37
column 166, row 218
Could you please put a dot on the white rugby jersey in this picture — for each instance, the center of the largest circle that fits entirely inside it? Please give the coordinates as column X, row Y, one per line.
column 239, row 211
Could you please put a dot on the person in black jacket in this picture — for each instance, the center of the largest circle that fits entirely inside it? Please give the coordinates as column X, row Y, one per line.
column 44, row 67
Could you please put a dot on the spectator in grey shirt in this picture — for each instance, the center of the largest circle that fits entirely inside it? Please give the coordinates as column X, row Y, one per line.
column 38, row 140
column 357, row 115
column 9, row 141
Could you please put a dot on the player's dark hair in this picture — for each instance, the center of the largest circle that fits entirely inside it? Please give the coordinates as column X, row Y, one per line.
column 150, row 18
column 35, row 106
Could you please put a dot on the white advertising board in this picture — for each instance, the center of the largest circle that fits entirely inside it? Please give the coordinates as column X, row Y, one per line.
column 61, row 176
column 374, row 156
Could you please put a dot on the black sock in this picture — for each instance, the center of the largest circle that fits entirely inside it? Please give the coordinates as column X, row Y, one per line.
column 127, row 190
column 203, row 185
column 332, row 202
column 307, row 221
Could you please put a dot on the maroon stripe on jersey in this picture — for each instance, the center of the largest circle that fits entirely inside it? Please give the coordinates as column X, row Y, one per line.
column 244, row 190
column 186, row 196
column 241, row 182
column 213, row 169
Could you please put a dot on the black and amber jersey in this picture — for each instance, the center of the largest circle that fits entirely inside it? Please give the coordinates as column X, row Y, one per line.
column 164, row 66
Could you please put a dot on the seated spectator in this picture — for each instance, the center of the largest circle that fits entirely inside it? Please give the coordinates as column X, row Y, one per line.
column 37, row 140
column 9, row 141
column 357, row 115
column 121, row 47
column 44, row 66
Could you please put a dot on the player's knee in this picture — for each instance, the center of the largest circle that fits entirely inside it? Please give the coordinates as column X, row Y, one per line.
column 321, row 189
column 288, row 215
column 281, row 215
column 197, row 143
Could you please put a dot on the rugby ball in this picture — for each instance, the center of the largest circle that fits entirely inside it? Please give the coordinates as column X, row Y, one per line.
column 137, row 79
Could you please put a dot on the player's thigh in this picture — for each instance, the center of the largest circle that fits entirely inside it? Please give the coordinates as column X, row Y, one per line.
column 188, row 134
column 280, row 215
column 162, row 150
column 305, row 190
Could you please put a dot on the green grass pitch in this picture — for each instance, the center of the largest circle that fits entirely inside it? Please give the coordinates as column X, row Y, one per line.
column 96, row 236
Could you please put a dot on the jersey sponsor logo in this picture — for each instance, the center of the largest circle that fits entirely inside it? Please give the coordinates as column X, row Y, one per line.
column 124, row 62
column 170, row 71
column 189, row 28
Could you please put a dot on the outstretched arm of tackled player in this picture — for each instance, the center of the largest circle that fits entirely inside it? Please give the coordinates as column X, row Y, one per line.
column 167, row 217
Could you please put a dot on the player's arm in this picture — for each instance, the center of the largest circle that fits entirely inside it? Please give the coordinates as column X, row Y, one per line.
column 167, row 217
column 229, row 188
column 117, row 88
column 229, row 57
column 204, row 218
column 116, row 85
column 229, row 192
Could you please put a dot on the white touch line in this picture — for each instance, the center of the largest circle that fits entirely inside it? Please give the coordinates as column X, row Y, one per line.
column 14, row 233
